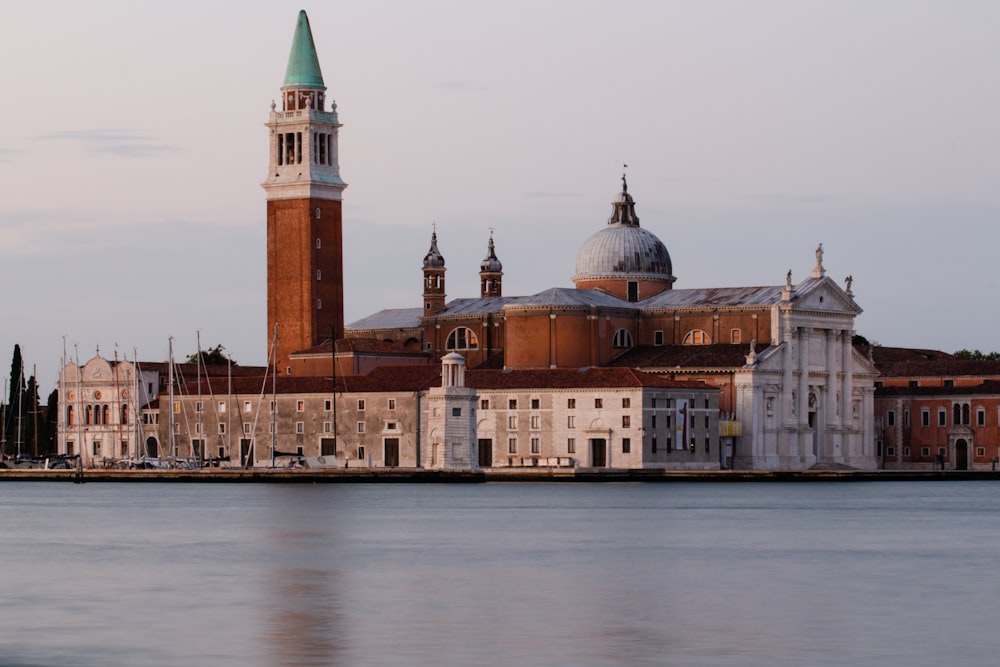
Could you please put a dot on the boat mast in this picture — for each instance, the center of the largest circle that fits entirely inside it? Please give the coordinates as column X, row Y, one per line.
column 170, row 394
column 200, row 456
column 274, row 391
column 79, row 405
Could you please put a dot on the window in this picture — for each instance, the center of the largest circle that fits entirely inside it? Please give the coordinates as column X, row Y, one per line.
column 361, row 453
column 906, row 417
column 626, row 445
column 390, row 426
column 462, row 338
column 571, row 446
column 536, row 422
column 941, row 451
column 652, row 421
column 222, row 428
column 627, row 421
column 708, row 444
column 300, row 427
column 633, row 291
column 622, row 338
column 272, row 407
column 328, row 405
column 512, row 422
column 735, row 336
column 199, row 406
column 484, row 404
column 697, row 337
column 319, row 243
column 925, row 451
column 891, row 418
column 97, row 448
column 653, row 444
column 300, row 406
column 456, row 412
column 942, row 417
column 536, row 446
column 512, row 404
column 392, row 404
column 949, row 383
column 925, row 417
column 319, row 274
column 177, row 408
column 626, row 402
column 657, row 338
column 512, row 445
column 246, row 406
column 327, row 427
column 197, row 428
column 319, row 304
column 246, row 427
column 361, row 427
column 980, row 417
column 328, row 447
column 534, row 404
column 361, row 405
column 914, row 383
column 980, row 451
column 571, row 403
column 222, row 407
column 598, row 402
column 890, row 451
column 571, row 422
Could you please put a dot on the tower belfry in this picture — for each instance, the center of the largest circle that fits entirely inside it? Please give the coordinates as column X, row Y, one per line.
column 305, row 273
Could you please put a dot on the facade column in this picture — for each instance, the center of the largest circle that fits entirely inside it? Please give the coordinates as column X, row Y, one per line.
column 788, row 386
column 804, row 439
column 831, row 437
column 850, row 445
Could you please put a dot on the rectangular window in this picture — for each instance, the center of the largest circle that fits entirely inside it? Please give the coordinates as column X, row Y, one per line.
column 925, row 451
column 512, row 422
column 390, row 426
column 222, row 428
column 706, row 421
column 361, row 405
column 512, row 404
column 328, row 447
column 925, row 417
column 626, row 445
column 300, row 406
column 571, row 403
column 177, row 407
column 456, row 412
column 657, row 338
column 327, row 427
column 626, row 421
column 942, row 417
column 891, row 418
column 535, row 403
column 512, row 445
column 949, row 383
column 97, row 448
column 300, row 427
column 626, row 402
column 571, row 422
column 246, row 406
column 653, row 444
column 328, row 405
column 222, row 407
column 271, row 427
column 598, row 402
column 361, row 453
column 980, row 451
column 890, row 451
column 246, row 427
column 199, row 407
column 197, row 428
column 571, row 446
column 708, row 444
column 906, row 417
column 361, row 427
column 735, row 336
column 906, row 451
column 652, row 422
column 272, row 407
column 536, row 422
column 484, row 404
column 392, row 403
column 536, row 445
column 980, row 417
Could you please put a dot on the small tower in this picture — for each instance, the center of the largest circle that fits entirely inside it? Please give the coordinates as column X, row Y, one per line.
column 305, row 268
column 434, row 295
column 491, row 274
column 451, row 419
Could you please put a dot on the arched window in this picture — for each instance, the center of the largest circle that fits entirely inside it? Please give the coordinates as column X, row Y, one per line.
column 462, row 338
column 697, row 337
column 124, row 414
column 69, row 416
column 622, row 338
column 104, row 415
column 89, row 414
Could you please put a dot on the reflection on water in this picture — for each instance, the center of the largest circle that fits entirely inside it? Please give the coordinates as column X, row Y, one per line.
column 498, row 574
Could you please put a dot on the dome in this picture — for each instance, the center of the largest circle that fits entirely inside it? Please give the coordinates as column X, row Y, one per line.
column 491, row 264
column 623, row 250
column 433, row 259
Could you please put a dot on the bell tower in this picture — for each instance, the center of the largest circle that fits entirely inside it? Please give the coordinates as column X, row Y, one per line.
column 434, row 296
column 305, row 268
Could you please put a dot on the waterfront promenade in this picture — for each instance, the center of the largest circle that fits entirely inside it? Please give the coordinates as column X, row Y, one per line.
column 418, row 475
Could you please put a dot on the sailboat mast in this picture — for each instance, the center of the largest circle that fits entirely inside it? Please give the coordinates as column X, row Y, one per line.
column 170, row 394
column 200, row 454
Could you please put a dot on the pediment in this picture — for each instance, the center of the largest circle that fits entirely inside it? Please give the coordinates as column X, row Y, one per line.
column 824, row 295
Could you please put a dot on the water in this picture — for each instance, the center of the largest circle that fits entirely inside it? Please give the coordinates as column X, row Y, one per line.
column 885, row 573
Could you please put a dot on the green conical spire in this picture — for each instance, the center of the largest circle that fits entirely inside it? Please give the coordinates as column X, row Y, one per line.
column 303, row 64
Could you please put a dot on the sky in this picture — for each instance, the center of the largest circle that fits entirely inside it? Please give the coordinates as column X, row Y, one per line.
column 133, row 148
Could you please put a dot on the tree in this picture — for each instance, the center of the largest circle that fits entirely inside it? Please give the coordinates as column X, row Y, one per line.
column 14, row 412
column 976, row 355
column 47, row 443
column 858, row 339
column 213, row 356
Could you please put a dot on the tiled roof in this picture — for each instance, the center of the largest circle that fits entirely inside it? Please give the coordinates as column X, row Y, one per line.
column 910, row 362
column 714, row 297
column 383, row 378
column 390, row 318
column 988, row 387
column 570, row 378
column 359, row 346
column 687, row 356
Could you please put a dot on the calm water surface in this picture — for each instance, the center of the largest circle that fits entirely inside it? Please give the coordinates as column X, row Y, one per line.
column 885, row 573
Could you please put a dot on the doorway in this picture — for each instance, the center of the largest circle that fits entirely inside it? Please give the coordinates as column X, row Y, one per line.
column 598, row 452
column 485, row 453
column 392, row 452
column 961, row 455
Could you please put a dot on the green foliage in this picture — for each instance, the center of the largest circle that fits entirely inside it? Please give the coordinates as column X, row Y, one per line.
column 858, row 339
column 976, row 355
column 213, row 356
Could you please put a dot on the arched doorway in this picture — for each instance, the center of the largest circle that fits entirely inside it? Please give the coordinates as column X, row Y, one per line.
column 961, row 455
column 152, row 450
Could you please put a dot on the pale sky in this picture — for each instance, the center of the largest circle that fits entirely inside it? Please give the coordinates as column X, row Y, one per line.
column 133, row 148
